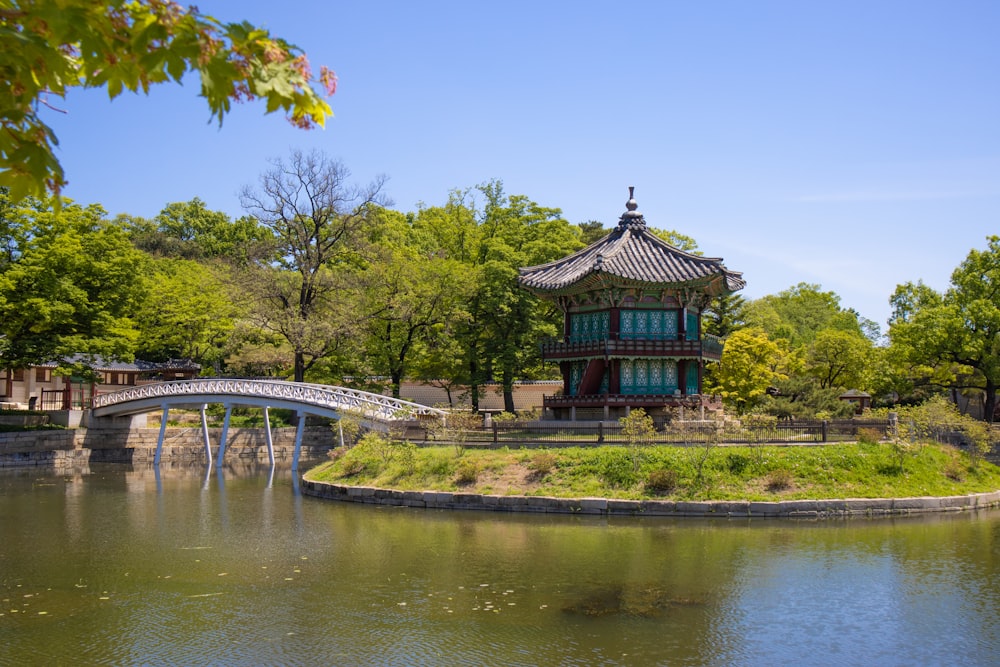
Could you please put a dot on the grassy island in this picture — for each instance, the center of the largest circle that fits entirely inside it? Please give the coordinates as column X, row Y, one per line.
column 718, row 472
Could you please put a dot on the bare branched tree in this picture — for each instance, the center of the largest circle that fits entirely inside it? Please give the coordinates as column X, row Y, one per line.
column 317, row 218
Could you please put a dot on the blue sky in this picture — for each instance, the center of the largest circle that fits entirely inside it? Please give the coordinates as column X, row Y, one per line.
column 851, row 144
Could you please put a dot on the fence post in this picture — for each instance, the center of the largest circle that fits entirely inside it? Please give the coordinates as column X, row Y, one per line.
column 825, row 424
column 600, row 432
column 496, row 433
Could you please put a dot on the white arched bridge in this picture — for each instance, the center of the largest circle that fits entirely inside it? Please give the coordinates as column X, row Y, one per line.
column 376, row 410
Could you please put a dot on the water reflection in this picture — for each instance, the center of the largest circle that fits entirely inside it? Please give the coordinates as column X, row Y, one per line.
column 237, row 567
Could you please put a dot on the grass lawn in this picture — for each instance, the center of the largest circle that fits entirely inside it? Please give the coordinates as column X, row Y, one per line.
column 676, row 473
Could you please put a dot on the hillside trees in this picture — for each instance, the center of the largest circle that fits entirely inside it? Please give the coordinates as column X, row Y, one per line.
column 48, row 47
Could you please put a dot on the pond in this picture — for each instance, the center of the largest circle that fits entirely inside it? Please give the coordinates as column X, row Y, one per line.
column 115, row 565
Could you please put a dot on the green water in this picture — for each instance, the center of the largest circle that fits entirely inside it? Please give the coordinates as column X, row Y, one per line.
column 123, row 567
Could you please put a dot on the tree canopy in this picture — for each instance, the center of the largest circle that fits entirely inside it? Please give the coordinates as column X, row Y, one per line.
column 70, row 284
column 953, row 339
column 48, row 47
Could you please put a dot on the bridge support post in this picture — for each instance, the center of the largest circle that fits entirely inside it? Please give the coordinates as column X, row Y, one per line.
column 163, row 431
column 298, row 442
column 204, row 435
column 267, row 437
column 225, row 432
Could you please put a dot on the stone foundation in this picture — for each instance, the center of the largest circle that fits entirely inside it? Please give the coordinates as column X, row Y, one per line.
column 180, row 445
column 725, row 509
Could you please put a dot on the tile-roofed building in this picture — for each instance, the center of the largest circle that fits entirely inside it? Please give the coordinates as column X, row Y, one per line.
column 39, row 386
column 632, row 307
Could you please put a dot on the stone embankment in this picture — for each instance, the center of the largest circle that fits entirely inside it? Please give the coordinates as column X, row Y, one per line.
column 729, row 509
column 180, row 445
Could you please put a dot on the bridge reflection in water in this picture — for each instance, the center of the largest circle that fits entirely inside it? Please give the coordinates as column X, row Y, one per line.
column 376, row 411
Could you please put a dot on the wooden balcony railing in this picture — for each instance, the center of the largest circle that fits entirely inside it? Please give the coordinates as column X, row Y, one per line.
column 613, row 345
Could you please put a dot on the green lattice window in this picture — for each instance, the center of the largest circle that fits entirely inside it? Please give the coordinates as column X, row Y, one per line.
column 589, row 326
column 640, row 324
column 648, row 376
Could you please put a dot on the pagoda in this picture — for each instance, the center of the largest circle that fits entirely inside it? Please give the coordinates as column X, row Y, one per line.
column 632, row 332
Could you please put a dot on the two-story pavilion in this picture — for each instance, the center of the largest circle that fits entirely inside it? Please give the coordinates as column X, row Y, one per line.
column 632, row 333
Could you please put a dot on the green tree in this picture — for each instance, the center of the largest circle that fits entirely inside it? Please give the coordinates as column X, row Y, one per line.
column 190, row 230
column 592, row 231
column 70, row 282
column 506, row 322
column 317, row 218
column 50, row 46
column 799, row 313
column 409, row 290
column 954, row 338
column 751, row 363
column 724, row 315
column 838, row 359
column 677, row 240
column 188, row 313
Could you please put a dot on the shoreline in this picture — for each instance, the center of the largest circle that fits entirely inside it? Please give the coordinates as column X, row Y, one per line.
column 722, row 509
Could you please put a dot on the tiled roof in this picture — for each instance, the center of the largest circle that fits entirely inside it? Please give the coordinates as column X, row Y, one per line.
column 99, row 363
column 631, row 255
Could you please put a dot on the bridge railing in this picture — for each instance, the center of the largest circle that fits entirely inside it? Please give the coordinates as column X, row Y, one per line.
column 377, row 406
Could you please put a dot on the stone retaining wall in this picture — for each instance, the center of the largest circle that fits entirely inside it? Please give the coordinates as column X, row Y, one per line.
column 181, row 445
column 733, row 509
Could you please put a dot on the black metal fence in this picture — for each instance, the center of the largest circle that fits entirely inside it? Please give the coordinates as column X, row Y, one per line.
column 559, row 433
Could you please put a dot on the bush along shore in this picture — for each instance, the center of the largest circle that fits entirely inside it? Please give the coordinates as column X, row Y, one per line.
column 756, row 473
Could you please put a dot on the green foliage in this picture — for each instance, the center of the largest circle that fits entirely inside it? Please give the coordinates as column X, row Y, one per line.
column 348, row 429
column 677, row 240
column 617, row 468
column 838, row 359
column 466, row 472
column 953, row 339
column 799, row 313
column 541, row 464
column 751, row 363
column 48, row 47
column 869, row 436
column 638, row 428
column 661, row 482
column 187, row 314
column 306, row 292
column 70, row 284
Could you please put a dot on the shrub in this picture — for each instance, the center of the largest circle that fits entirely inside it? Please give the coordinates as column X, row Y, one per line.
column 466, row 472
column 337, row 453
column 869, row 436
column 617, row 469
column 779, row 480
column 737, row 463
column 541, row 464
column 661, row 482
column 353, row 467
column 955, row 471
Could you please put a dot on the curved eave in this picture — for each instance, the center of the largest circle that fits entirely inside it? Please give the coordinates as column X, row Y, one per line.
column 630, row 257
column 600, row 280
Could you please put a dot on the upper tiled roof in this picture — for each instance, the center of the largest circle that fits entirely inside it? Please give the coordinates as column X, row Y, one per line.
column 632, row 255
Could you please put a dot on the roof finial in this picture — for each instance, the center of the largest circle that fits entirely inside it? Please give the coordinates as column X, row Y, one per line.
column 631, row 217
